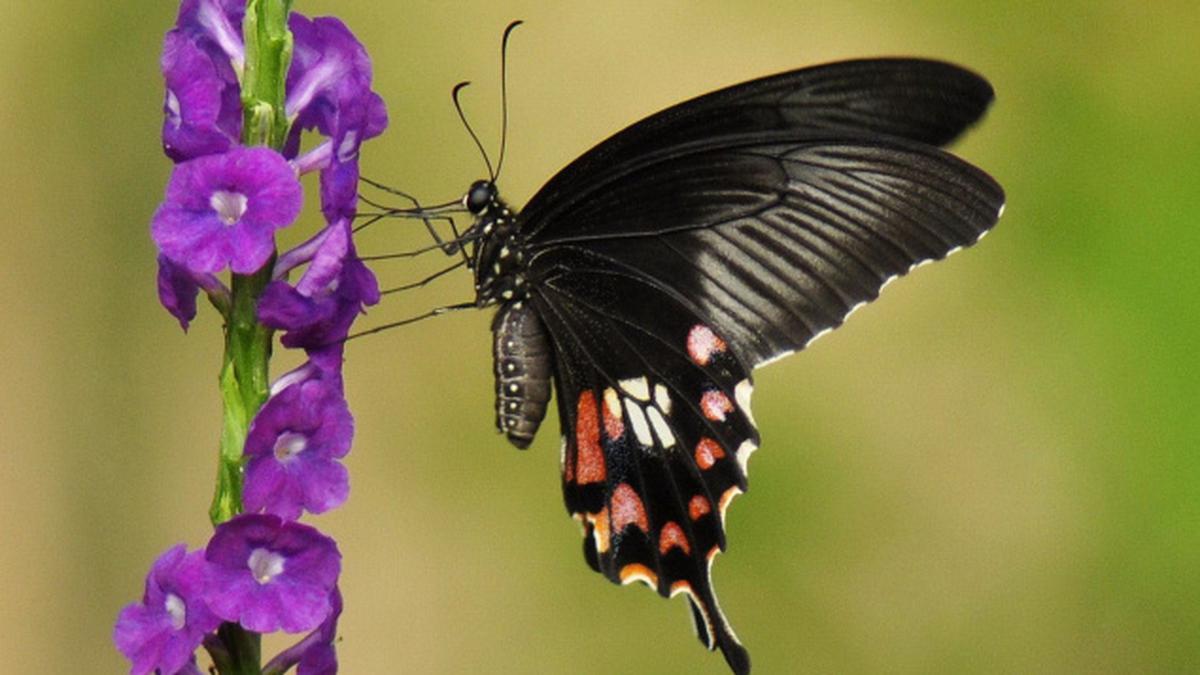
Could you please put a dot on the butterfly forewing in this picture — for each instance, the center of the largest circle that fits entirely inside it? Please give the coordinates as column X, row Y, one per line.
column 917, row 99
column 774, row 243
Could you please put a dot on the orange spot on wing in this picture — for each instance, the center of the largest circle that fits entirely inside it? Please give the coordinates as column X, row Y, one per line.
column 699, row 507
column 627, row 509
column 672, row 536
column 600, row 531
column 715, row 405
column 708, row 452
column 638, row 572
column 588, row 455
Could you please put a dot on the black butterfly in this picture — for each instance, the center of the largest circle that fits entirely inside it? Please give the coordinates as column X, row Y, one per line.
column 651, row 275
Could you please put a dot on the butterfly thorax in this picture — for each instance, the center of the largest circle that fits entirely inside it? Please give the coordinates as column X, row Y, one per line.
column 522, row 359
column 498, row 254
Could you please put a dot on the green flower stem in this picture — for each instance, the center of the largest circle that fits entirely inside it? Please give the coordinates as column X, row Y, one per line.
column 245, row 374
column 268, row 55
column 244, row 383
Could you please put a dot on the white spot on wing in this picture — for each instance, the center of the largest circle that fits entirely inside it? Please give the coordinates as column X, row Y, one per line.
column 636, row 387
column 661, row 429
column 637, row 419
column 952, row 251
column 662, row 399
column 887, row 282
column 744, row 451
column 612, row 402
column 742, row 393
column 853, row 310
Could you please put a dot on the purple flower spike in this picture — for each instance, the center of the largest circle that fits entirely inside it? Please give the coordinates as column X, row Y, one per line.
column 269, row 575
column 223, row 210
column 163, row 632
column 293, row 447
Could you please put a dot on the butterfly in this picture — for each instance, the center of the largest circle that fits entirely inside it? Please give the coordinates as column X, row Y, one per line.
column 645, row 282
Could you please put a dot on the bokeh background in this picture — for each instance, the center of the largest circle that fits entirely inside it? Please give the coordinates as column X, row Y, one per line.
column 995, row 468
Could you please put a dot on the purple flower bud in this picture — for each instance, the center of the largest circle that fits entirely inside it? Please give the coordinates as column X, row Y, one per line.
column 293, row 446
column 164, row 630
column 267, row 574
column 222, row 210
column 177, row 291
column 320, row 658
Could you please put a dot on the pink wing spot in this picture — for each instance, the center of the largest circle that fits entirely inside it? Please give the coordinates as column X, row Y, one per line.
column 698, row 507
column 587, row 441
column 715, row 405
column 627, row 509
column 708, row 452
column 703, row 344
column 672, row 536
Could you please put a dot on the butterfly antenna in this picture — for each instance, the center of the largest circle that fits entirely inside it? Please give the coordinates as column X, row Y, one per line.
column 462, row 116
column 504, row 94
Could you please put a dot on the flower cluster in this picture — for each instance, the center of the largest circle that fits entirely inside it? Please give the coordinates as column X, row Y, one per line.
column 224, row 202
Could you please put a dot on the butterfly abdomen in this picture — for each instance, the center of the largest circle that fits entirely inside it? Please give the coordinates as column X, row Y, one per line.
column 522, row 358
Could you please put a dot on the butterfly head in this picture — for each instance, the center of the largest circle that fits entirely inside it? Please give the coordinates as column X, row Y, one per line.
column 480, row 196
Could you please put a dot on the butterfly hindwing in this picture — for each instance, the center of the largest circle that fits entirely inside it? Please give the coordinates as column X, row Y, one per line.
column 656, row 431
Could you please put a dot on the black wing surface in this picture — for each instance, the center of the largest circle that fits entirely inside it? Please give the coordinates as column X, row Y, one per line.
column 921, row 100
column 773, row 243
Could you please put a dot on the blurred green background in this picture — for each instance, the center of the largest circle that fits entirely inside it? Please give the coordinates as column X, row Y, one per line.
column 994, row 469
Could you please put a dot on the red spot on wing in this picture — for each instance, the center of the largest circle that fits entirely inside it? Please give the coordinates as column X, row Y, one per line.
column 698, row 507
column 708, row 452
column 715, row 405
column 672, row 536
column 703, row 344
column 588, row 455
column 627, row 509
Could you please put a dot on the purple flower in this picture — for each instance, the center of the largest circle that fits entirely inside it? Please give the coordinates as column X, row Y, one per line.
column 318, row 311
column 223, row 210
column 216, row 25
column 162, row 632
column 315, row 654
column 177, row 290
column 267, row 574
column 202, row 107
column 293, row 446
column 329, row 89
column 320, row 658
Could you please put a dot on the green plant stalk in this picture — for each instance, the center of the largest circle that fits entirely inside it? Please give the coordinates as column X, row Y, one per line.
column 245, row 375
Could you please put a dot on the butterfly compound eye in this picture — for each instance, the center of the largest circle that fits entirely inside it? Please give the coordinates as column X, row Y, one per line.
column 481, row 194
